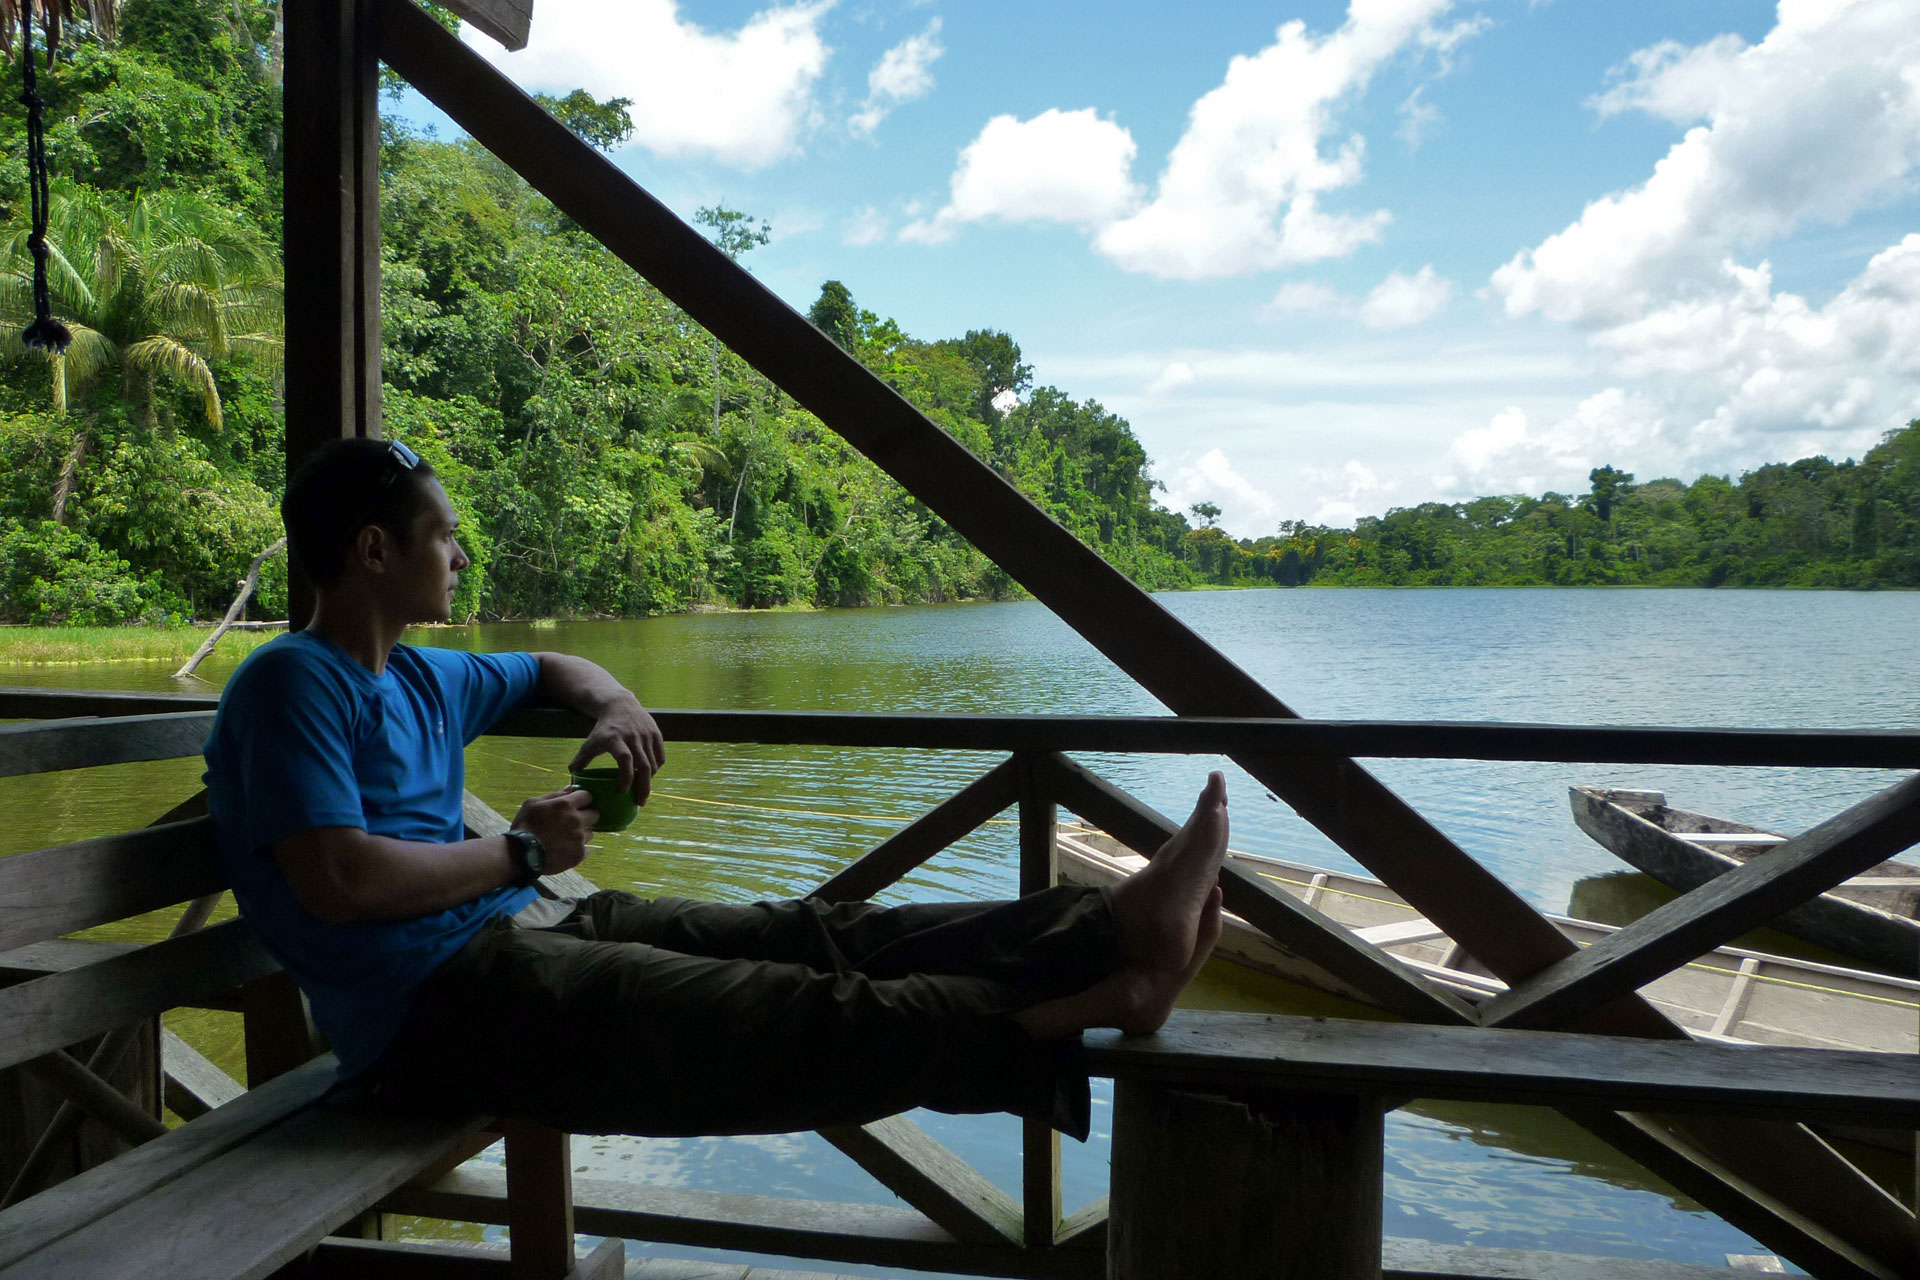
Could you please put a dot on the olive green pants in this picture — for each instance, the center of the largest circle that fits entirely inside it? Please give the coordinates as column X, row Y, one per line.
column 673, row 1017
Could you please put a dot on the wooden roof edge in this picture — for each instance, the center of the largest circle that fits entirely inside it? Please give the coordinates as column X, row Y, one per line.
column 506, row 21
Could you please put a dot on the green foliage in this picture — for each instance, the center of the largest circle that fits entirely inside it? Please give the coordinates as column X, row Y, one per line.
column 733, row 231
column 1811, row 523
column 54, row 575
column 834, row 314
column 601, row 124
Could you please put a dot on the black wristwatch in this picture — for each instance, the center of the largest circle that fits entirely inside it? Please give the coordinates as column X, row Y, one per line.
column 529, row 856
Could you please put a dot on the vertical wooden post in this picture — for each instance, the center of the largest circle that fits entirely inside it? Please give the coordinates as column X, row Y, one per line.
column 331, row 231
column 539, row 1201
column 1040, row 1144
column 1282, row 1187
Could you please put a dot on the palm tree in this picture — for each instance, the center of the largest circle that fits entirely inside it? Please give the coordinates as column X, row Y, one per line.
column 158, row 285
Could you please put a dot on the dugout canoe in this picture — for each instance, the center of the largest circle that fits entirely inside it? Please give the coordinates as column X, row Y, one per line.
column 1871, row 917
column 1729, row 995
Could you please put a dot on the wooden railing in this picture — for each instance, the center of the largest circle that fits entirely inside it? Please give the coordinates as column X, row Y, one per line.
column 1834, row 1221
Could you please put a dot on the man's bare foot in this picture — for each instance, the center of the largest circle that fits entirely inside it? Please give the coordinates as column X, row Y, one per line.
column 1159, row 907
column 1137, row 1001
column 1169, row 918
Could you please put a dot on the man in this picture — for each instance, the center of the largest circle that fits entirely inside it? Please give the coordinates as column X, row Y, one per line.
column 335, row 773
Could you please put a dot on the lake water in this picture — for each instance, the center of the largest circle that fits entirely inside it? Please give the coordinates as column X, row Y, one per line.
column 736, row 823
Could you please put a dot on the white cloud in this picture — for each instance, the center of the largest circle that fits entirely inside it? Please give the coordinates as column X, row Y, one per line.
column 1419, row 119
column 1060, row 166
column 867, row 226
column 1242, row 190
column 742, row 97
column 1212, row 478
column 904, row 73
column 1714, row 369
column 1175, row 375
column 1508, row 456
column 1401, row 300
column 1303, row 297
column 1356, row 491
column 1818, row 120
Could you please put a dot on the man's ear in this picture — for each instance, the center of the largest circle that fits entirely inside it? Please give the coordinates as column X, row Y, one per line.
column 371, row 546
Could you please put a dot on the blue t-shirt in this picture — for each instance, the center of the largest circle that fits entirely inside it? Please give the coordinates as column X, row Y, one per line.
column 307, row 737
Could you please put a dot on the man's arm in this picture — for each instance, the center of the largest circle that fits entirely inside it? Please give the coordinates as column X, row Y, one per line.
column 343, row 874
column 622, row 728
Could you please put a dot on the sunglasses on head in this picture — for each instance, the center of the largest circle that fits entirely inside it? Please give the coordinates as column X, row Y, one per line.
column 397, row 461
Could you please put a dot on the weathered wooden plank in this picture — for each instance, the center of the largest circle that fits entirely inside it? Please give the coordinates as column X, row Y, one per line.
column 1184, row 735
column 874, row 1235
column 905, row 850
column 1337, row 1055
column 1302, row 929
column 24, row 702
column 1085, row 1228
column 53, row 745
column 1405, row 1259
column 33, row 1224
column 49, row 892
column 1266, row 735
column 194, row 1085
column 910, row 1163
column 62, row 1008
column 1727, row 906
column 506, row 21
column 262, row 1204
column 57, row 955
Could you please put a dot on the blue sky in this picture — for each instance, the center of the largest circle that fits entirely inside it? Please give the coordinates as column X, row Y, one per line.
column 1329, row 258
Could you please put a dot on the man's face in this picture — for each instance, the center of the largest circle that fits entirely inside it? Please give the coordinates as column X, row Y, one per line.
column 421, row 577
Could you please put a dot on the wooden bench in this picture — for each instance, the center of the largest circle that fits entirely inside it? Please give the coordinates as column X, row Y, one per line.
column 1250, row 1145
column 250, row 1188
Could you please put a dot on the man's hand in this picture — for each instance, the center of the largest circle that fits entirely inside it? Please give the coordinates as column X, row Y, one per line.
column 621, row 726
column 563, row 823
column 626, row 732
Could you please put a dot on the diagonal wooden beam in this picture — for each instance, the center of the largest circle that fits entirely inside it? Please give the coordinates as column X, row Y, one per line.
column 906, row 1160
column 956, row 816
column 1126, row 624
column 1307, row 932
column 1732, row 903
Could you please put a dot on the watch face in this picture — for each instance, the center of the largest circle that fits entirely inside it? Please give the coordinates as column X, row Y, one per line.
column 530, row 854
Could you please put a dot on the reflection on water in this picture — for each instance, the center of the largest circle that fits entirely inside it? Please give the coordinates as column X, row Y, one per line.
column 737, row 823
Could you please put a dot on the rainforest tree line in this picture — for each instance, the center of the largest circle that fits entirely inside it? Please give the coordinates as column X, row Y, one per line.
column 606, row 454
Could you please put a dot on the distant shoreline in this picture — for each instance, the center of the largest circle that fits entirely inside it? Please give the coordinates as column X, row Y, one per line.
column 53, row 645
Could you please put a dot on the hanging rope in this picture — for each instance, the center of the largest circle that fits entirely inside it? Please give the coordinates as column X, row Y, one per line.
column 45, row 333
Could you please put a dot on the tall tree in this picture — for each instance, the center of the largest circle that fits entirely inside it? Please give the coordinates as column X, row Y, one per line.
column 834, row 314
column 736, row 236
column 1608, row 485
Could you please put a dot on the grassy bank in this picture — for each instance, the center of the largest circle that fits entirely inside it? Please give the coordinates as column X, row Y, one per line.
column 78, row 646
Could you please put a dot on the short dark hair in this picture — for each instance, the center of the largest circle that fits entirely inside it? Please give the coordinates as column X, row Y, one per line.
column 344, row 487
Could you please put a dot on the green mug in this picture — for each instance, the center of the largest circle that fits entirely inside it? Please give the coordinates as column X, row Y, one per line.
column 615, row 805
